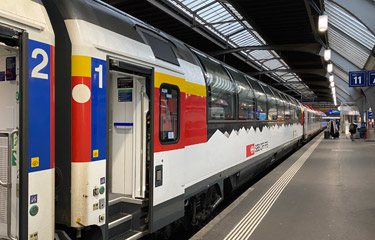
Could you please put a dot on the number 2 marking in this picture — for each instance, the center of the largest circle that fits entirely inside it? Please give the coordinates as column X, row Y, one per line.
column 100, row 71
column 35, row 73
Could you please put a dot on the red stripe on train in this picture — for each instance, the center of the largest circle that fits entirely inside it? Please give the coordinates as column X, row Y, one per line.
column 81, row 124
column 193, row 126
column 52, row 107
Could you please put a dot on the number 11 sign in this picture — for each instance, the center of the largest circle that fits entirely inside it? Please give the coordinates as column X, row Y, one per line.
column 371, row 78
column 357, row 79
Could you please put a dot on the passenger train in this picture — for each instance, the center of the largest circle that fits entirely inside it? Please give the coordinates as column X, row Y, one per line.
column 112, row 129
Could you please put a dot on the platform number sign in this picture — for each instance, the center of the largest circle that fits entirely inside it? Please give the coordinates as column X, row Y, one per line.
column 371, row 78
column 357, row 79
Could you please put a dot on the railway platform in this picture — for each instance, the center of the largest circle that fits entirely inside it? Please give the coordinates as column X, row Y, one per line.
column 325, row 190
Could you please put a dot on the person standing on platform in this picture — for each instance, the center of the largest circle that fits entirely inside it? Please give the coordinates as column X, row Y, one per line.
column 352, row 130
column 332, row 128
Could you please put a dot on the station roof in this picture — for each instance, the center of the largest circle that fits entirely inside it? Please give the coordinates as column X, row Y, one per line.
column 276, row 41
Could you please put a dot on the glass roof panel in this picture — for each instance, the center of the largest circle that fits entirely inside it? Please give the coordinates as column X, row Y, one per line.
column 349, row 49
column 341, row 74
column 223, row 20
column 350, row 25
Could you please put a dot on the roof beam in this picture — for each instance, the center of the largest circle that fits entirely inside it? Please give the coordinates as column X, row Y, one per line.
column 220, row 22
column 298, row 47
column 315, row 7
column 314, row 28
column 204, row 6
column 319, row 72
column 317, row 83
column 175, row 12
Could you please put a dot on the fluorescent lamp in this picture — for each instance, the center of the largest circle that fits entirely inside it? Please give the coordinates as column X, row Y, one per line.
column 327, row 54
column 323, row 23
column 331, row 78
column 332, row 84
column 329, row 67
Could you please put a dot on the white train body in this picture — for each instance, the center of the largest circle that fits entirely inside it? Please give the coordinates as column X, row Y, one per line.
column 146, row 126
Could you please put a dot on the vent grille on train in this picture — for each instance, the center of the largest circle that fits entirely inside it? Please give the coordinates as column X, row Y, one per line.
column 4, row 178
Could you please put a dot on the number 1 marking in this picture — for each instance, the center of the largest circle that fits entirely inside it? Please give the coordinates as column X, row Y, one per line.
column 100, row 71
column 359, row 78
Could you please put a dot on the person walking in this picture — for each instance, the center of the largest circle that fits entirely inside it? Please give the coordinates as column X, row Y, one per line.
column 352, row 130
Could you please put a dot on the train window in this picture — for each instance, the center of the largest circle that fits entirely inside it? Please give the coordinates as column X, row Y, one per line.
column 299, row 113
column 246, row 98
column 169, row 115
column 288, row 107
column 280, row 106
column 261, row 111
column 161, row 48
column 294, row 108
column 272, row 103
column 221, row 90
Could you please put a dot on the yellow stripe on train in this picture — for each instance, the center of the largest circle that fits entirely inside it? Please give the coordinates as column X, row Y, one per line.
column 81, row 66
column 184, row 86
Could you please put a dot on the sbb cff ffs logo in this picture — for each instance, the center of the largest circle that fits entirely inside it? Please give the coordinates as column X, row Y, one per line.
column 250, row 150
column 254, row 148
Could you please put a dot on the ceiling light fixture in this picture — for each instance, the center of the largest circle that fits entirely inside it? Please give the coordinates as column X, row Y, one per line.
column 323, row 23
column 327, row 54
column 331, row 78
column 329, row 67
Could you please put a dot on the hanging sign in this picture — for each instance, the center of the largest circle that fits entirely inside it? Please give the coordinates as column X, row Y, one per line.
column 371, row 78
column 357, row 79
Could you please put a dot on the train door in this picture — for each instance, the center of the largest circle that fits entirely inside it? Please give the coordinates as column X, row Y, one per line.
column 128, row 112
column 26, row 121
column 9, row 144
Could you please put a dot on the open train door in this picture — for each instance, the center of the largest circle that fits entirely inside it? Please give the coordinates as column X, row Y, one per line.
column 129, row 154
column 129, row 102
column 10, row 49
column 26, row 121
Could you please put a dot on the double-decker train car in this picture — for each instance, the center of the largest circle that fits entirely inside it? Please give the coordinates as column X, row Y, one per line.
column 312, row 121
column 26, row 121
column 152, row 131
column 149, row 131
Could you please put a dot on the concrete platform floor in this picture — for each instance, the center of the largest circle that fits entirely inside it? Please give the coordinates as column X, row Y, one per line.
column 324, row 191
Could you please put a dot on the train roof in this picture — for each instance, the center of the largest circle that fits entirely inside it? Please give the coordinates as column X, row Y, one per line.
column 101, row 14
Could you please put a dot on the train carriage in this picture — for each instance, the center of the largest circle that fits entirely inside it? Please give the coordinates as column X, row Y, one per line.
column 26, row 121
column 149, row 131
column 312, row 122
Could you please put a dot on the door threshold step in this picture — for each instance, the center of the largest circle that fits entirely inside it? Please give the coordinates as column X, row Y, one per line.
column 127, row 200
column 130, row 235
column 118, row 219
